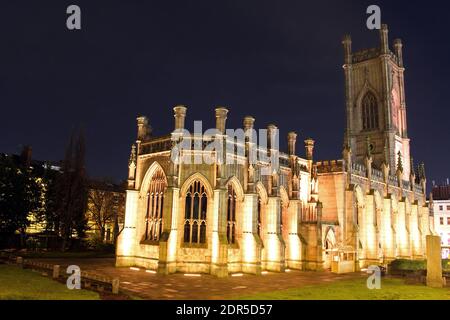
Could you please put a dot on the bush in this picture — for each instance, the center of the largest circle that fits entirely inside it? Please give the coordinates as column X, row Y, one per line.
column 408, row 265
column 446, row 264
column 97, row 245
column 415, row 265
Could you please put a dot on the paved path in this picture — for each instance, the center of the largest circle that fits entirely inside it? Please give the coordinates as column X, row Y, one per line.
column 177, row 286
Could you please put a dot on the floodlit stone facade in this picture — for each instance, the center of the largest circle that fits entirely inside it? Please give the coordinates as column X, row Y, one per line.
column 281, row 211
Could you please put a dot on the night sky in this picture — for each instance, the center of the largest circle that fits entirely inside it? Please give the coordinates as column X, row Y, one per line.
column 279, row 61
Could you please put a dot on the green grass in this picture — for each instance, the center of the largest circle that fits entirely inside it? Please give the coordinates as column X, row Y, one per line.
column 19, row 284
column 68, row 255
column 391, row 289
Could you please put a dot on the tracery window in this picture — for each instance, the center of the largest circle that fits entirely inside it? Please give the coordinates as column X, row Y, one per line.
column 370, row 112
column 155, row 206
column 231, row 215
column 258, row 218
column 196, row 206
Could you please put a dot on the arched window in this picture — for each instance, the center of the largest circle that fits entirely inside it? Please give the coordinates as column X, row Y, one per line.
column 369, row 112
column 283, row 214
column 196, row 205
column 258, row 218
column 231, row 215
column 155, row 205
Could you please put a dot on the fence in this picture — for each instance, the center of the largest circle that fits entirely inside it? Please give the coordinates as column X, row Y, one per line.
column 88, row 280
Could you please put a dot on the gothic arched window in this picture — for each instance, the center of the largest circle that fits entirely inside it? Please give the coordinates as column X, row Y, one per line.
column 258, row 218
column 283, row 215
column 231, row 215
column 155, row 205
column 196, row 205
column 369, row 112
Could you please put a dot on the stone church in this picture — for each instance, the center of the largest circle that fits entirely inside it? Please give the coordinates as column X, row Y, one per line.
column 282, row 211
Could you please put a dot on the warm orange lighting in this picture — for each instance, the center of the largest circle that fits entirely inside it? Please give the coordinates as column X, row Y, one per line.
column 134, row 268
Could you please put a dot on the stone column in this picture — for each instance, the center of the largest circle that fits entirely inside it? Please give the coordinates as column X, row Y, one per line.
column 143, row 128
column 275, row 255
column 125, row 253
column 347, row 44
column 384, row 39
column 180, row 116
column 309, row 148
column 292, row 139
column 221, row 118
column 250, row 154
column 371, row 246
column 251, row 243
column 219, row 265
column 294, row 246
column 169, row 235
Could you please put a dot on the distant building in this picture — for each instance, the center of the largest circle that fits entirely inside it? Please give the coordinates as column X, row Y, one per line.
column 109, row 198
column 441, row 207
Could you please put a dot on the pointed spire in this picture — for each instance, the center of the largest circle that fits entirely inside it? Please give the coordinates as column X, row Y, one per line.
column 399, row 162
column 411, row 165
column 368, row 147
column 386, row 152
column 132, row 159
column 422, row 173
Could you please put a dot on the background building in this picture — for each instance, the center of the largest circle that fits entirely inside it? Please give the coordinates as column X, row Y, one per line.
column 441, row 209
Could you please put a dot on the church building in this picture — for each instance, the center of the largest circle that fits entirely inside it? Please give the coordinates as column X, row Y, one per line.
column 268, row 210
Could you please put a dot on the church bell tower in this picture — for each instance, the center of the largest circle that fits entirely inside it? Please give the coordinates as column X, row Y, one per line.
column 375, row 104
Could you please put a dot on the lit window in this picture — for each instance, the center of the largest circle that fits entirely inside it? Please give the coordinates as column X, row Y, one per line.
column 195, row 214
column 448, row 220
column 155, row 205
column 259, row 215
column 231, row 215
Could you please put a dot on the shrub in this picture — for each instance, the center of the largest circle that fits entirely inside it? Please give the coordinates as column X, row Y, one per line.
column 408, row 265
column 415, row 265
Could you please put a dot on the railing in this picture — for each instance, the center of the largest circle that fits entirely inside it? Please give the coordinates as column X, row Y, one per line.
column 359, row 169
column 156, row 145
column 393, row 180
column 418, row 188
column 406, row 185
column 377, row 175
column 330, row 166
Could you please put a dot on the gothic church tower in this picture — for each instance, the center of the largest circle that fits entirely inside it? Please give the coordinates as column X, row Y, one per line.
column 375, row 105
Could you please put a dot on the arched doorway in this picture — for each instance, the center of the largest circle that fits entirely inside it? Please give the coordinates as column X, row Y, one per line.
column 329, row 244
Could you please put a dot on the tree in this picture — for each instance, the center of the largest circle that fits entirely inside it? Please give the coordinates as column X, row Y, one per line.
column 20, row 196
column 101, row 209
column 72, row 192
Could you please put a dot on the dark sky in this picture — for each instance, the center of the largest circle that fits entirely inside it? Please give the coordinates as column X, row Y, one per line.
column 280, row 61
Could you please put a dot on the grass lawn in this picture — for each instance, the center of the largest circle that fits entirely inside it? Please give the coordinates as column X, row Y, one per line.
column 391, row 289
column 19, row 284
column 68, row 254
